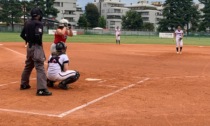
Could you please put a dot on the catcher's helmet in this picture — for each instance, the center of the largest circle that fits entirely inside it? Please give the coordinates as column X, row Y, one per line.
column 60, row 46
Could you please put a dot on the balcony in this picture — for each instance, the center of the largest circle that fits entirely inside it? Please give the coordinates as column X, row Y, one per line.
column 114, row 17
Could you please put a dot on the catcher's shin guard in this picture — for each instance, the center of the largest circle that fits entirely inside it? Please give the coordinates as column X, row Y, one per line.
column 71, row 79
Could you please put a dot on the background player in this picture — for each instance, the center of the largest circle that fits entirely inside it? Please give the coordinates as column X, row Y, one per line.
column 58, row 64
column 117, row 34
column 61, row 33
column 178, row 36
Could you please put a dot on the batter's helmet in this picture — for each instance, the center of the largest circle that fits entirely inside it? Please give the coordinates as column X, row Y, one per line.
column 60, row 46
column 63, row 22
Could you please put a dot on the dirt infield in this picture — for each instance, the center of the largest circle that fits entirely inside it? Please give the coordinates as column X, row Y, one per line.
column 136, row 85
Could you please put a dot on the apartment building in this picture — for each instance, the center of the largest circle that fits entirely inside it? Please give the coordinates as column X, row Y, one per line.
column 151, row 13
column 112, row 10
column 68, row 10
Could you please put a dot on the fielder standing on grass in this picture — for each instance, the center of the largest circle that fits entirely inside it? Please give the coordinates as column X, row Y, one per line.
column 33, row 31
column 117, row 34
column 178, row 36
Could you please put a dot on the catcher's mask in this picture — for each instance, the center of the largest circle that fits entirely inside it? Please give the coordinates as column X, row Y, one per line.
column 60, row 47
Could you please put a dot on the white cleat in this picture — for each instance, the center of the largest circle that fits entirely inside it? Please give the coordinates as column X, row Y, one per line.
column 177, row 52
column 26, row 45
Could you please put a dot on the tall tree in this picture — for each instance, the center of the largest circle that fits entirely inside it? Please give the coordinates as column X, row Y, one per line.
column 148, row 26
column 178, row 12
column 11, row 12
column 206, row 15
column 102, row 22
column 92, row 15
column 82, row 22
column 132, row 20
column 47, row 7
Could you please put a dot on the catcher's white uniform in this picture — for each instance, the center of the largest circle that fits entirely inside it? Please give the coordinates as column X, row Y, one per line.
column 179, row 40
column 54, row 72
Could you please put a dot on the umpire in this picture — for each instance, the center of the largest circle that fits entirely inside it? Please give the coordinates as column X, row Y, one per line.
column 32, row 33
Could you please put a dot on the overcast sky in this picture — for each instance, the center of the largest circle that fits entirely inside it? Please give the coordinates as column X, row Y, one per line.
column 82, row 3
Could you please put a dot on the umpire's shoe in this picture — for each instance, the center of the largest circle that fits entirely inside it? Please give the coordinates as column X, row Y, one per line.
column 43, row 92
column 24, row 87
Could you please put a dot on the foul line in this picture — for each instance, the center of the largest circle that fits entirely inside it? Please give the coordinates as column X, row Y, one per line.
column 100, row 98
column 1, row 85
column 14, row 51
column 177, row 77
column 26, row 112
column 18, row 53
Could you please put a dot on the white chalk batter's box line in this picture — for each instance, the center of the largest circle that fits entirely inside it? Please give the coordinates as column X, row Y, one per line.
column 79, row 107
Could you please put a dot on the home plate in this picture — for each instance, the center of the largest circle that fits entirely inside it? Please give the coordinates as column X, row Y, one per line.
column 92, row 79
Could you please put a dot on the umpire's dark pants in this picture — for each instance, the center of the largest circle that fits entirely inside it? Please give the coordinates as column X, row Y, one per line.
column 35, row 58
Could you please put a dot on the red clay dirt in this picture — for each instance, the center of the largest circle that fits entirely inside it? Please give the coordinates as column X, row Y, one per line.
column 174, row 90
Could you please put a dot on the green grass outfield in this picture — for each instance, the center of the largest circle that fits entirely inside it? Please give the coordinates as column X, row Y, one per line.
column 201, row 41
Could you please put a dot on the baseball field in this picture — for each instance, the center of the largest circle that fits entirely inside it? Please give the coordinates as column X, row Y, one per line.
column 142, row 82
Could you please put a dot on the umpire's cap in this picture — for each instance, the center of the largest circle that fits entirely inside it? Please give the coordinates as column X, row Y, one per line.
column 35, row 12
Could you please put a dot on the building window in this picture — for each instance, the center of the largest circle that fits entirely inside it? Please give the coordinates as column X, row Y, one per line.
column 57, row 4
column 144, row 13
column 113, row 17
column 145, row 18
column 68, row 12
column 117, row 11
column 70, row 19
column 61, row 4
column 112, row 23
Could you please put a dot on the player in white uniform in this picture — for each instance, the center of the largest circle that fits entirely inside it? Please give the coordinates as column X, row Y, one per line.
column 57, row 69
column 117, row 34
column 178, row 36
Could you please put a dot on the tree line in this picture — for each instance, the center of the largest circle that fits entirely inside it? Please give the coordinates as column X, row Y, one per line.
column 12, row 11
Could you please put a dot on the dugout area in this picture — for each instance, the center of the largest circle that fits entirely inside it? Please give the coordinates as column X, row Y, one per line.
column 135, row 85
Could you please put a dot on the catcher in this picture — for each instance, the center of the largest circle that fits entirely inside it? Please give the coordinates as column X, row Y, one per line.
column 57, row 69
column 178, row 36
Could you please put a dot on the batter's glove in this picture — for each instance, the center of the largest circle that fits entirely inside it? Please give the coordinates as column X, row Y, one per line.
column 69, row 25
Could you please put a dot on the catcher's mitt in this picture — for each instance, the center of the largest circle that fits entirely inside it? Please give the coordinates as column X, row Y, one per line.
column 180, row 39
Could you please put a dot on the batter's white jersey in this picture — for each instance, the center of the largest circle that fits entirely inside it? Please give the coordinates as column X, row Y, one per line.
column 55, row 64
column 178, row 35
column 117, row 33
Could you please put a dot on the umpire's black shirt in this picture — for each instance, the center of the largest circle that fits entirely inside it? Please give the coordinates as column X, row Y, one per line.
column 32, row 32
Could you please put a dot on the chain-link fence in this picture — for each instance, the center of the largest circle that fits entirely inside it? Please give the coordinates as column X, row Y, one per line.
column 91, row 31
